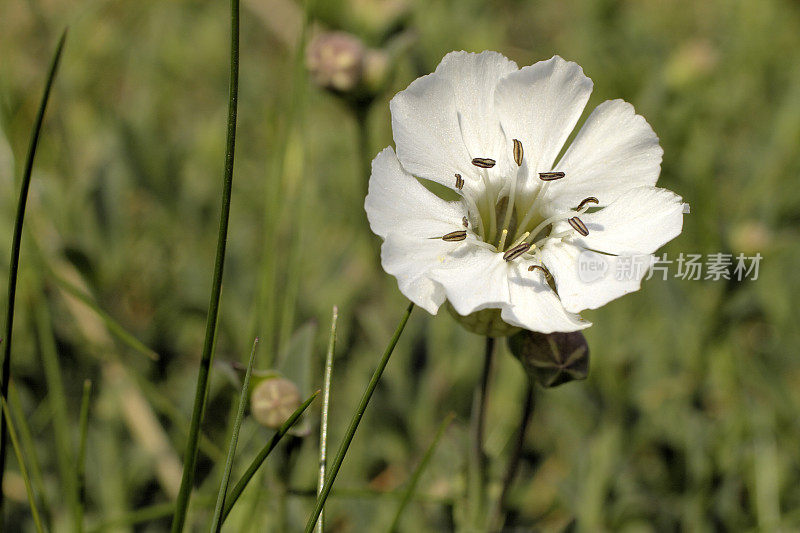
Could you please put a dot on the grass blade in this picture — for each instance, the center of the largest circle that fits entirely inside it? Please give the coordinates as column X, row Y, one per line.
column 23, row 471
column 216, row 522
column 323, row 425
column 15, row 245
column 190, row 456
column 412, row 483
column 262, row 455
column 26, row 439
column 351, row 430
column 80, row 476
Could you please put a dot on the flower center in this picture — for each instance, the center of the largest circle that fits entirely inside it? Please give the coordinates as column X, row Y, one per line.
column 511, row 227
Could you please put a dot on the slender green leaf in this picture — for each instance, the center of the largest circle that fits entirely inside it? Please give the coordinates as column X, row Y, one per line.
column 17, row 240
column 216, row 522
column 201, row 392
column 323, row 425
column 262, row 455
column 359, row 413
column 80, row 475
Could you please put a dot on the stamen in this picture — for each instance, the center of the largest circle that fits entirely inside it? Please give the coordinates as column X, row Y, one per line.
column 455, row 236
column 518, row 152
column 521, row 238
column 551, row 176
column 578, row 225
column 483, row 162
column 465, row 222
column 543, row 269
column 585, row 201
column 459, row 182
column 513, row 253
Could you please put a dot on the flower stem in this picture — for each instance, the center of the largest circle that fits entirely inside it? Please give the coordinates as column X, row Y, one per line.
column 15, row 246
column 80, row 462
column 351, row 430
column 216, row 522
column 323, row 424
column 478, row 463
column 190, row 456
column 498, row 515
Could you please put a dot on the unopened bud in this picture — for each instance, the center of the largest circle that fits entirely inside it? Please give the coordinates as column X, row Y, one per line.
column 335, row 60
column 273, row 401
column 551, row 359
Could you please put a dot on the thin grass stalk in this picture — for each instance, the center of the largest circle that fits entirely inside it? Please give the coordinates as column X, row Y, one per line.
column 265, row 309
column 16, row 242
column 26, row 439
column 478, row 464
column 190, row 457
column 145, row 514
column 80, row 463
column 216, row 522
column 57, row 398
column 415, row 477
column 359, row 413
column 323, row 424
column 498, row 513
column 263, row 454
column 23, row 471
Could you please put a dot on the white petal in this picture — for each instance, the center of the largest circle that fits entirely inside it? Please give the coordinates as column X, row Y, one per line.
column 474, row 78
column 397, row 201
column 588, row 280
column 540, row 105
column 474, row 278
column 408, row 259
column 534, row 305
column 639, row 221
column 615, row 151
column 428, row 135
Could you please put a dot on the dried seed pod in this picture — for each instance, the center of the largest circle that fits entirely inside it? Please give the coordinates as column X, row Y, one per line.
column 551, row 359
column 273, row 400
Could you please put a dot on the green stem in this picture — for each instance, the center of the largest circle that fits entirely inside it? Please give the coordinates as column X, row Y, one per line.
column 190, row 456
column 351, row 430
column 15, row 246
column 22, row 470
column 216, row 522
column 323, row 424
column 412, row 484
column 498, row 514
column 80, row 474
column 478, row 461
column 262, row 455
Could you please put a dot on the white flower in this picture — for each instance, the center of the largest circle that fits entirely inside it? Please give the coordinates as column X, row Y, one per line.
column 491, row 133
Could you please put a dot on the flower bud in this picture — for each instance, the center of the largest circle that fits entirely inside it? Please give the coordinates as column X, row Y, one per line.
column 551, row 359
column 485, row 322
column 273, row 400
column 335, row 61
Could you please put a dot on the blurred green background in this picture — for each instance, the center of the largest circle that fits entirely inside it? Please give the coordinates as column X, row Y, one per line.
column 689, row 417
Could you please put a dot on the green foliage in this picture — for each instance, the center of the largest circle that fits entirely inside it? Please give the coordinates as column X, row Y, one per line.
column 688, row 418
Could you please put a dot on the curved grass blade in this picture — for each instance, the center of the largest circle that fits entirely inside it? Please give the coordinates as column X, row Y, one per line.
column 80, row 474
column 412, row 483
column 262, row 455
column 201, row 392
column 15, row 245
column 216, row 522
column 23, row 471
column 351, row 430
column 323, row 424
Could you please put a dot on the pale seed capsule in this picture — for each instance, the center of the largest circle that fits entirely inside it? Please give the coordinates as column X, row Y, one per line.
column 273, row 401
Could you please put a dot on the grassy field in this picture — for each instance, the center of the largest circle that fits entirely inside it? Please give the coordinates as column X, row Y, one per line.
column 688, row 419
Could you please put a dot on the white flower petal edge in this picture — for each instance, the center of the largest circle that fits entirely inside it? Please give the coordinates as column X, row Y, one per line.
column 576, row 294
column 534, row 306
column 397, row 201
column 540, row 105
column 640, row 221
column 615, row 151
